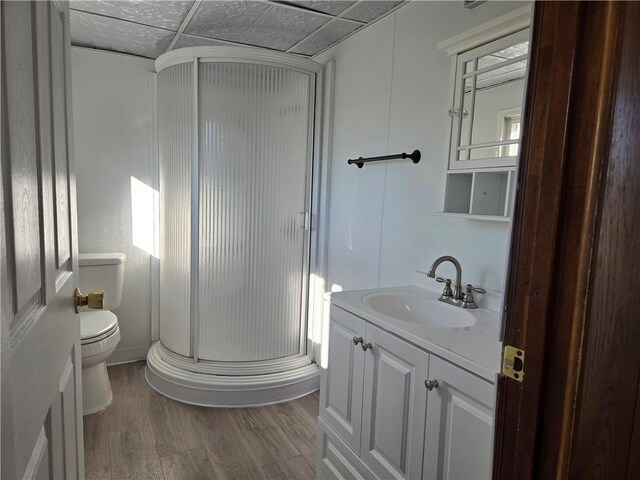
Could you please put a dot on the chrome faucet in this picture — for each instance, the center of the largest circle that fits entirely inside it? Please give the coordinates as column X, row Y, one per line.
column 457, row 288
column 455, row 296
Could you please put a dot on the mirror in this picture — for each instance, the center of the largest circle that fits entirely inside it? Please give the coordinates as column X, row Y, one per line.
column 489, row 87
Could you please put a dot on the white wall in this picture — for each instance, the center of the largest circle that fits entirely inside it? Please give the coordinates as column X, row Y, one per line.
column 112, row 122
column 392, row 95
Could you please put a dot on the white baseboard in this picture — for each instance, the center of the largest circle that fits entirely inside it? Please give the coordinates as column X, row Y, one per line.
column 128, row 355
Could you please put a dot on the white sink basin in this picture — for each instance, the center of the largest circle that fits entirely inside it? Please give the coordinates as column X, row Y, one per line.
column 419, row 309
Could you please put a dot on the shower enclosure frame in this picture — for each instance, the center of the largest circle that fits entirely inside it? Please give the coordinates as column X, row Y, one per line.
column 247, row 383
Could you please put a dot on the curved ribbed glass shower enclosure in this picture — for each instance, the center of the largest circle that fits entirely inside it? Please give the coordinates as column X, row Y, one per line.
column 236, row 149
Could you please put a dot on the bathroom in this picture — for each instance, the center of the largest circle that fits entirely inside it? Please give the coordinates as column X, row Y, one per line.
column 305, row 239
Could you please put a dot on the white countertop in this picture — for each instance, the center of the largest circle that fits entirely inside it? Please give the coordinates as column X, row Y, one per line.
column 476, row 348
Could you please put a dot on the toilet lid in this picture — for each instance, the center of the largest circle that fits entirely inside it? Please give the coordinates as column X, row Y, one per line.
column 97, row 323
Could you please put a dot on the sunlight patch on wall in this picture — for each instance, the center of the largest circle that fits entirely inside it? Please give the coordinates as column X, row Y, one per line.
column 145, row 225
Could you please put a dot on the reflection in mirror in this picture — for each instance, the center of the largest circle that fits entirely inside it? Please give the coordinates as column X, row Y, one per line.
column 491, row 84
column 509, row 53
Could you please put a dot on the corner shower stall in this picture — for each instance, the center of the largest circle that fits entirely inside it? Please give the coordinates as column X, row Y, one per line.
column 236, row 130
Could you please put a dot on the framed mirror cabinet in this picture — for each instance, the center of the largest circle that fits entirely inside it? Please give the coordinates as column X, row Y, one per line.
column 488, row 81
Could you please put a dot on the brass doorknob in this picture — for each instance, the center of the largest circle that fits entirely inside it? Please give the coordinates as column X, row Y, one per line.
column 92, row 300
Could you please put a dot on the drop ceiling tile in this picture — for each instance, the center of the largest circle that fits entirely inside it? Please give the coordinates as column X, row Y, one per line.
column 118, row 35
column 324, row 6
column 327, row 35
column 368, row 11
column 281, row 28
column 193, row 41
column 165, row 14
column 229, row 20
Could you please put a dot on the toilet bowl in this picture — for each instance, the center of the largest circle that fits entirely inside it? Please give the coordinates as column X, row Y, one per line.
column 99, row 330
column 100, row 335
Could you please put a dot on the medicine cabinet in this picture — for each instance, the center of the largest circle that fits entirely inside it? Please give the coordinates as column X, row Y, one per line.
column 489, row 67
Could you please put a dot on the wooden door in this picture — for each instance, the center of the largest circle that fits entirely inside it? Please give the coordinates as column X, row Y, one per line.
column 41, row 371
column 572, row 302
column 394, row 404
column 459, row 432
column 341, row 392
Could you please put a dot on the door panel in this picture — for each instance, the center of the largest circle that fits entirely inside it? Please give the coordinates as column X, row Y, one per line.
column 60, row 139
column 341, row 391
column 394, row 406
column 41, row 389
column 459, row 432
column 67, row 398
column 22, row 147
column 45, row 118
column 38, row 466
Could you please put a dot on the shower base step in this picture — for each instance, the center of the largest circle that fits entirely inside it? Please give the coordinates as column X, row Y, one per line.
column 212, row 390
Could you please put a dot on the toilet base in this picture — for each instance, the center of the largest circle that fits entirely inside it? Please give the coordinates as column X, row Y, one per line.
column 96, row 389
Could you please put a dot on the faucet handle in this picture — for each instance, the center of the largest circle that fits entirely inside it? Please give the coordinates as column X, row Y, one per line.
column 471, row 288
column 447, row 292
column 468, row 301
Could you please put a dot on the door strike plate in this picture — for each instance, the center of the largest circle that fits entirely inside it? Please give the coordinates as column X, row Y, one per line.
column 513, row 363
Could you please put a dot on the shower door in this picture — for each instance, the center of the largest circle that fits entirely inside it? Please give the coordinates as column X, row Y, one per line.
column 255, row 141
column 238, row 134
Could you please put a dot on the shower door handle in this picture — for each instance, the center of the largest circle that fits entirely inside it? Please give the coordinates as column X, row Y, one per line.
column 304, row 220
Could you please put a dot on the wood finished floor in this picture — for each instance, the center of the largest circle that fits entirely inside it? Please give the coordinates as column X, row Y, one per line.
column 144, row 435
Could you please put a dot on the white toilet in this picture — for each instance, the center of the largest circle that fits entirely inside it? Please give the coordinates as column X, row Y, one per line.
column 99, row 328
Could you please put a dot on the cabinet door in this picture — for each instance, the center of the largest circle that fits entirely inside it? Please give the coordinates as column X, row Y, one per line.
column 341, row 389
column 394, row 406
column 459, row 436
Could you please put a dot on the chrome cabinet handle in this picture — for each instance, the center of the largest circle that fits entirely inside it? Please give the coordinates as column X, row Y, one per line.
column 431, row 384
column 357, row 340
column 366, row 346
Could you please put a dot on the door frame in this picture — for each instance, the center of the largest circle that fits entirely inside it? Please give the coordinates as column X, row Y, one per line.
column 574, row 66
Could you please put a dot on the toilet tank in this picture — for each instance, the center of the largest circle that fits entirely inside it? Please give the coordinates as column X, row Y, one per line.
column 103, row 271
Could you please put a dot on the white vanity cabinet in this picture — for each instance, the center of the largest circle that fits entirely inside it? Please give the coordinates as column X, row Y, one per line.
column 378, row 420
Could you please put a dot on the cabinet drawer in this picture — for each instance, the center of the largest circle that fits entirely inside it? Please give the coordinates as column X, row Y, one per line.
column 335, row 458
column 342, row 382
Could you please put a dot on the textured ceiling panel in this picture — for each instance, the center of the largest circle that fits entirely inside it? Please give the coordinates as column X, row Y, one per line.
column 193, row 41
column 325, row 6
column 118, row 35
column 326, row 36
column 164, row 14
column 281, row 28
column 368, row 11
column 145, row 27
column 226, row 20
